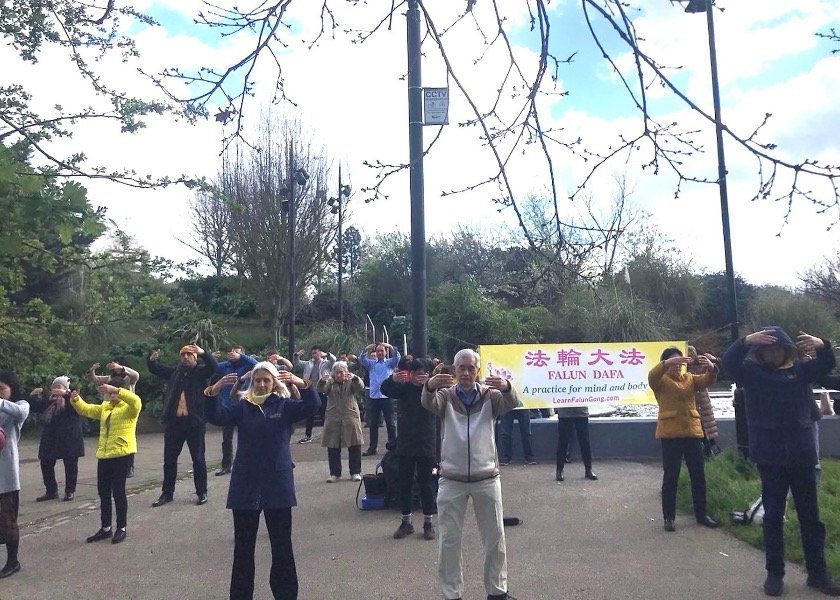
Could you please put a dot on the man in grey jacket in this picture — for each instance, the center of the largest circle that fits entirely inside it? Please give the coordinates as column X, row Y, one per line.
column 469, row 469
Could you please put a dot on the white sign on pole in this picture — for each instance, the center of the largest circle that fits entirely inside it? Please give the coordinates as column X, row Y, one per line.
column 435, row 106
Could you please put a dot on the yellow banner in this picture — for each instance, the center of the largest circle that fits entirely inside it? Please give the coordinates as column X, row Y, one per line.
column 565, row 375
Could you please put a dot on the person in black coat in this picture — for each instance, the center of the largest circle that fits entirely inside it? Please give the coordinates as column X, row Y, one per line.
column 183, row 416
column 416, row 443
column 61, row 437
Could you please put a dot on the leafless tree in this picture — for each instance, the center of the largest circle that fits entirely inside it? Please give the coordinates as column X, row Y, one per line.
column 658, row 146
column 256, row 183
column 212, row 231
column 823, row 281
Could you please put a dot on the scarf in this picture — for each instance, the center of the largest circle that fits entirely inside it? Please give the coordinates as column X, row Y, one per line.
column 255, row 399
column 56, row 407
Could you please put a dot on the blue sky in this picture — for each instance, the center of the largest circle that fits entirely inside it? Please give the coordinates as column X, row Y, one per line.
column 352, row 97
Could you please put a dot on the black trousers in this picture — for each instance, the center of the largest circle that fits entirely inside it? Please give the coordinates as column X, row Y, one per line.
column 523, row 418
column 384, row 407
column 422, row 465
column 802, row 482
column 283, row 578
column 310, row 422
column 110, row 483
column 227, row 446
column 177, row 432
column 354, row 459
column 579, row 425
column 71, row 474
column 673, row 451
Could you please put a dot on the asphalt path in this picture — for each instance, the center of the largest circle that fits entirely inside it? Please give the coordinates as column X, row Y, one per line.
column 578, row 540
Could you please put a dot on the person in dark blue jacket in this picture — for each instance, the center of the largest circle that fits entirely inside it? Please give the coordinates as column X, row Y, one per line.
column 262, row 479
column 240, row 363
column 778, row 406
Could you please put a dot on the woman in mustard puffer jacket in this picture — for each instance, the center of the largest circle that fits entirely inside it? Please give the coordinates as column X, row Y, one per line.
column 117, row 416
column 679, row 429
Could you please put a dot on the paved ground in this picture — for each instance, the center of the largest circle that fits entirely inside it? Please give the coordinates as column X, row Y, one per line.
column 578, row 540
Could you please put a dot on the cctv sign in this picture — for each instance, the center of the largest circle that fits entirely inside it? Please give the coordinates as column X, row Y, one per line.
column 435, row 106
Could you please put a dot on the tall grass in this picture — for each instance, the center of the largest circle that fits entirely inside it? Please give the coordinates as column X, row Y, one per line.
column 732, row 484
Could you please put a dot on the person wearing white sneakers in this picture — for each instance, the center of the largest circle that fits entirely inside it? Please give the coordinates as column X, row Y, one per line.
column 342, row 420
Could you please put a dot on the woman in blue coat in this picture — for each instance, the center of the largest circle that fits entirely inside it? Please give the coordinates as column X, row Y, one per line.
column 262, row 479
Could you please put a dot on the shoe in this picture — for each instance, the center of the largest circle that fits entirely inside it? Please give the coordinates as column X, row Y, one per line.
column 99, row 535
column 119, row 536
column 669, row 525
column 130, row 473
column 403, row 530
column 164, row 499
column 223, row 471
column 69, row 497
column 369, row 452
column 824, row 584
column 428, row 531
column 774, row 584
column 202, row 499
column 530, row 462
column 356, row 477
column 10, row 570
column 504, row 463
column 559, row 475
column 504, row 596
column 47, row 496
column 305, row 440
column 707, row 521
column 590, row 474
column 333, row 478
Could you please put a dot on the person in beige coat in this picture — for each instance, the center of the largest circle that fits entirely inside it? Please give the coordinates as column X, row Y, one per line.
column 703, row 402
column 342, row 421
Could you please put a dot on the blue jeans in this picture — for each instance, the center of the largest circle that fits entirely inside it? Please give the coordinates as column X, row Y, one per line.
column 506, row 434
column 775, row 482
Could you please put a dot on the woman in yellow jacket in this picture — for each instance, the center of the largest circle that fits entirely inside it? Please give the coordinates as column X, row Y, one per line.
column 679, row 429
column 117, row 416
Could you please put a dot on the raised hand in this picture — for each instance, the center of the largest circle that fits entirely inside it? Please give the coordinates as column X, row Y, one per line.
column 808, row 343
column 498, row 383
column 95, row 367
column 106, row 389
column 36, row 392
column 760, row 338
column 441, row 380
column 155, row 355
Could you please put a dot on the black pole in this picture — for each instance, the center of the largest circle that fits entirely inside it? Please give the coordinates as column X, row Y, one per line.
column 292, row 265
column 419, row 331
column 741, row 436
column 340, row 249
column 724, row 196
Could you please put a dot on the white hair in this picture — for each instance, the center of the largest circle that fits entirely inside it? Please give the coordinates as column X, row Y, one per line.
column 340, row 364
column 467, row 353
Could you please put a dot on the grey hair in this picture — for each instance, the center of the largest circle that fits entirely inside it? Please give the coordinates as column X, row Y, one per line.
column 467, row 353
column 340, row 364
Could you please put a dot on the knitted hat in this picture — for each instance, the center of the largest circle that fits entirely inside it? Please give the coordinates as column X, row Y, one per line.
column 63, row 381
column 187, row 350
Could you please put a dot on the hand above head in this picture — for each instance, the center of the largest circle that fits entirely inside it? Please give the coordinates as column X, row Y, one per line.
column 155, row 355
column 111, row 366
column 197, row 349
column 74, row 394
column 94, row 367
column 36, row 392
column 105, row 389
column 808, row 343
column 760, row 338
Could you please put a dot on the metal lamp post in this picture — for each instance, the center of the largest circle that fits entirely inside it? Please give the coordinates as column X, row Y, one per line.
column 706, row 6
column 337, row 208
column 297, row 176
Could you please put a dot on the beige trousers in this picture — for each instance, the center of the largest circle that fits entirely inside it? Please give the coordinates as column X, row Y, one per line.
column 452, row 507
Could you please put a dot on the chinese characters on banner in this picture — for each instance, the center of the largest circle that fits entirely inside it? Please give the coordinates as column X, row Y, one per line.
column 558, row 375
